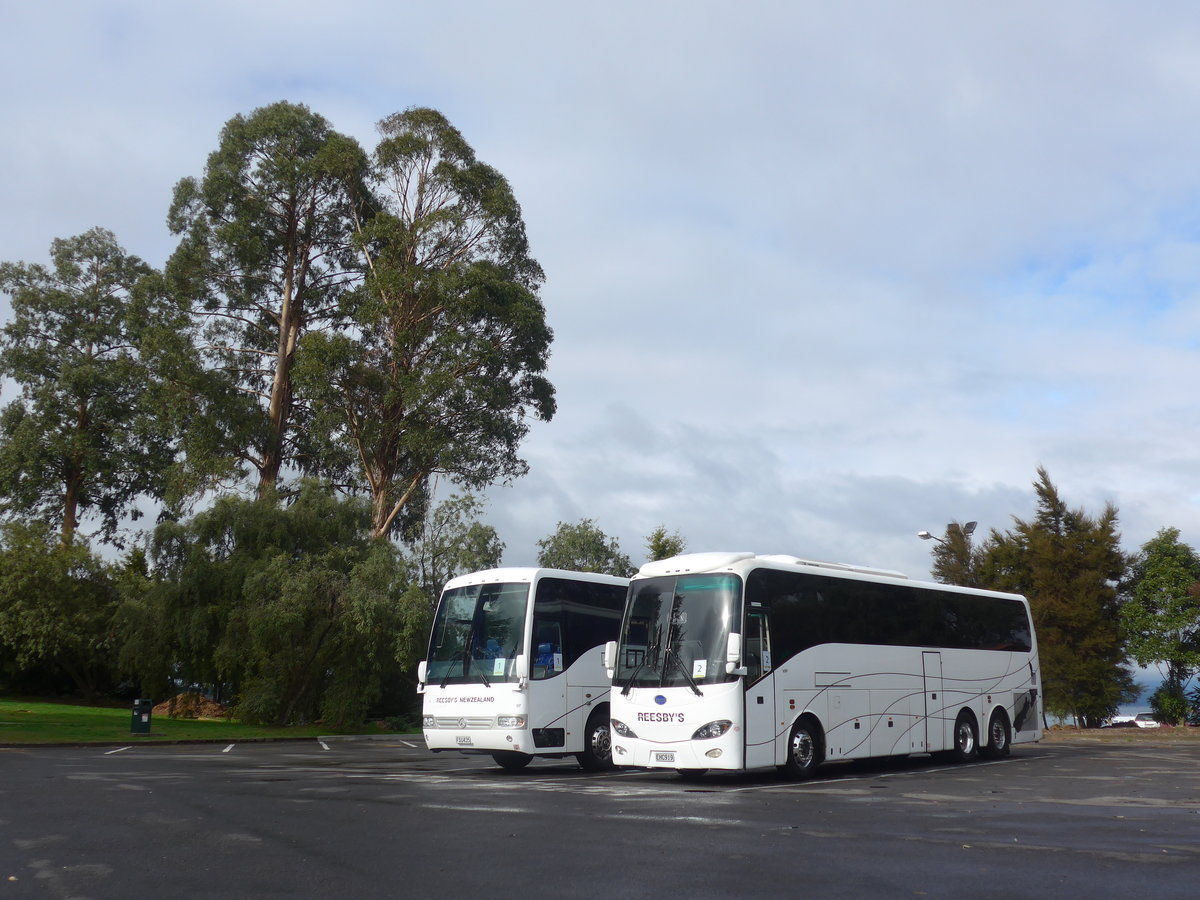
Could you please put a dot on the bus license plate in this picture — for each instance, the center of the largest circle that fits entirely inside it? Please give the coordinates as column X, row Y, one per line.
column 464, row 739
column 664, row 757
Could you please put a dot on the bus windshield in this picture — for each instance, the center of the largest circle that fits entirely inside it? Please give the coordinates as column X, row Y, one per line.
column 676, row 631
column 478, row 630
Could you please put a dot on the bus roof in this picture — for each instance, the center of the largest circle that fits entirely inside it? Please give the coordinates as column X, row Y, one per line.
column 529, row 574
column 708, row 562
column 741, row 561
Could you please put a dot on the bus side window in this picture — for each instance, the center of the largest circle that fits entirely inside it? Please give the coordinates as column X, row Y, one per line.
column 756, row 647
column 547, row 648
column 580, row 615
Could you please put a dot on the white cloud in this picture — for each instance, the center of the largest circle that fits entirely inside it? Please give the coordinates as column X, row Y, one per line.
column 821, row 275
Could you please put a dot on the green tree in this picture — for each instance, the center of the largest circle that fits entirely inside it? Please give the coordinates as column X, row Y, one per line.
column 1169, row 703
column 82, row 438
column 266, row 257
column 56, row 607
column 583, row 547
column 955, row 559
column 452, row 542
column 444, row 364
column 293, row 611
column 663, row 545
column 1068, row 564
column 1161, row 613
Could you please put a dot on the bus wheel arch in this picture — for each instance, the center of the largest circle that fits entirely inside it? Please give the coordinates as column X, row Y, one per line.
column 999, row 735
column 966, row 737
column 805, row 748
column 597, row 741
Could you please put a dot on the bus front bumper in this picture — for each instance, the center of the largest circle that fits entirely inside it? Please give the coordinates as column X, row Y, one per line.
column 722, row 753
column 491, row 741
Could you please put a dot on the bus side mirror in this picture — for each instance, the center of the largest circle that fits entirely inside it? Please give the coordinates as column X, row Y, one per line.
column 422, row 671
column 521, row 670
column 610, row 658
column 733, row 655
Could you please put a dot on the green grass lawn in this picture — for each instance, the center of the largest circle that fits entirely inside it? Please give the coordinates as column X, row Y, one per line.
column 37, row 722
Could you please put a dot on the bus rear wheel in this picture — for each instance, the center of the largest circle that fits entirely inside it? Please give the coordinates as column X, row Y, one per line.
column 510, row 760
column 804, row 750
column 597, row 743
column 999, row 737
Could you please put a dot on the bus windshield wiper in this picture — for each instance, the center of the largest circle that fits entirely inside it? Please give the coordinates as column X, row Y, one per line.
column 446, row 680
column 482, row 674
column 653, row 648
column 671, row 654
column 460, row 623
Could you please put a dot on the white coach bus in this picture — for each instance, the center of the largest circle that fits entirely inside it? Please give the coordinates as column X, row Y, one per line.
column 737, row 661
column 515, row 665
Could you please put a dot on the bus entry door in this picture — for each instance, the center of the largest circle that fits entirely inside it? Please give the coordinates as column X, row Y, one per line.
column 935, row 728
column 761, row 728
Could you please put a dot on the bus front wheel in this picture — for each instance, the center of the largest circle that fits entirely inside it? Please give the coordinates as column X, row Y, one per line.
column 510, row 760
column 597, row 743
column 804, row 751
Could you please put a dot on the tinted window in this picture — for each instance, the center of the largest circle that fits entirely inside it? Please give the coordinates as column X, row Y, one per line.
column 677, row 630
column 478, row 631
column 570, row 618
column 807, row 610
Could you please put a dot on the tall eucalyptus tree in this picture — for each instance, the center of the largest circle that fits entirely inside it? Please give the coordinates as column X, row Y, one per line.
column 267, row 256
column 443, row 365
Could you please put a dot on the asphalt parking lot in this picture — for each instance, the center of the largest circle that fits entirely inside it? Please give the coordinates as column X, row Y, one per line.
column 389, row 819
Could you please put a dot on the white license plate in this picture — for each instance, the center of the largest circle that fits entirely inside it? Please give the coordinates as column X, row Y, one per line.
column 464, row 739
column 664, row 757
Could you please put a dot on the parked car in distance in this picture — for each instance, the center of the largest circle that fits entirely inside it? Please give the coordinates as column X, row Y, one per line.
column 1141, row 720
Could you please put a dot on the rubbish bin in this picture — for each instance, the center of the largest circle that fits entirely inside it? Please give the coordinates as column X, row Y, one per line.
column 141, row 717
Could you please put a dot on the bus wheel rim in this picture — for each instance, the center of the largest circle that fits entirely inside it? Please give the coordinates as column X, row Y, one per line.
column 802, row 748
column 602, row 742
column 966, row 737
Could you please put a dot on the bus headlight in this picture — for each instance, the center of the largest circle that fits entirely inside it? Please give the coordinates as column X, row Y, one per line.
column 427, row 722
column 712, row 730
column 622, row 729
column 510, row 721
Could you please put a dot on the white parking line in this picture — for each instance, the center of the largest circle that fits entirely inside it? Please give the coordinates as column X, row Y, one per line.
column 227, row 749
column 118, row 750
column 324, row 746
column 687, row 820
column 483, row 809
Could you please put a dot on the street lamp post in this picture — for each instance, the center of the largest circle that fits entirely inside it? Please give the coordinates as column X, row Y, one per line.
column 954, row 561
column 967, row 531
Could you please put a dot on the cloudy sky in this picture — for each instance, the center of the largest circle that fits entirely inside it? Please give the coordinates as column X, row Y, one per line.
column 821, row 275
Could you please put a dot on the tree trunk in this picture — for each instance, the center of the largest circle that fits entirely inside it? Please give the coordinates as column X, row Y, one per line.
column 280, row 410
column 74, row 479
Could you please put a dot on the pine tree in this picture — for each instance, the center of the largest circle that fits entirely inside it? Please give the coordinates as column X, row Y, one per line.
column 1068, row 564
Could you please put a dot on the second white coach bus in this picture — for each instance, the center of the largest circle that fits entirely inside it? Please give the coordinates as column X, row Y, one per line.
column 515, row 665
column 737, row 661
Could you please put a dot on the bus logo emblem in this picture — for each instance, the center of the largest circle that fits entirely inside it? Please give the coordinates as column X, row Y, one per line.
column 660, row 699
